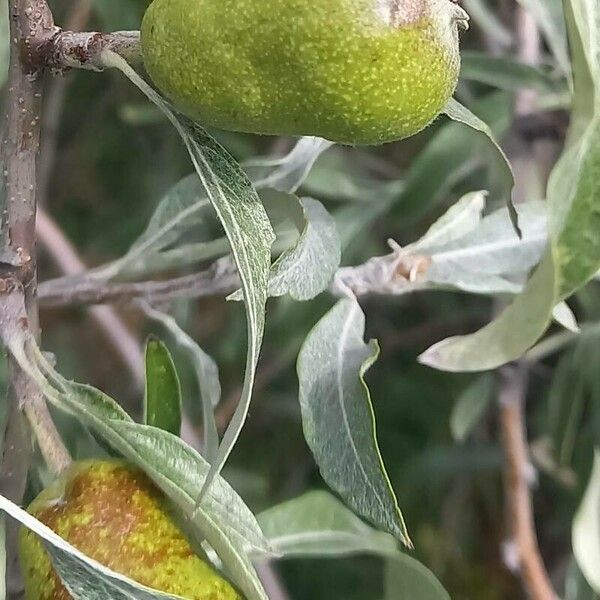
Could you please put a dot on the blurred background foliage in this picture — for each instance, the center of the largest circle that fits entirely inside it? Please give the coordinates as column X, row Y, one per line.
column 108, row 157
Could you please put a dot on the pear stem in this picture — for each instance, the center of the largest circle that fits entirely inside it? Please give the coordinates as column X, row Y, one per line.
column 83, row 50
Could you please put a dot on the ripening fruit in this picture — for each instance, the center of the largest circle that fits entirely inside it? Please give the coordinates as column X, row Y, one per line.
column 114, row 514
column 351, row 71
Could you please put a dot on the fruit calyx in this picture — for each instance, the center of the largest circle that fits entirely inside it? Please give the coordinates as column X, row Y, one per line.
column 460, row 15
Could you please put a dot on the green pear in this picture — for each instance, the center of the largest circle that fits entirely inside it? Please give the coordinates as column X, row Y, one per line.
column 351, row 71
column 114, row 514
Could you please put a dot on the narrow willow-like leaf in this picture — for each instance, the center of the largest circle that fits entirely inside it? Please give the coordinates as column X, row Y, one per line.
column 461, row 218
column 574, row 202
column 318, row 524
column 461, row 251
column 207, row 377
column 305, row 270
column 492, row 247
column 338, row 418
column 249, row 232
column 84, row 578
column 586, row 529
column 183, row 208
column 574, row 259
column 458, row 112
column 287, row 174
column 506, row 338
column 162, row 398
column 407, row 579
column 222, row 518
column 564, row 316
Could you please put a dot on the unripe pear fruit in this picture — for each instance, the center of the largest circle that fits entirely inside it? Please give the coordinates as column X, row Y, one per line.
column 351, row 71
column 114, row 514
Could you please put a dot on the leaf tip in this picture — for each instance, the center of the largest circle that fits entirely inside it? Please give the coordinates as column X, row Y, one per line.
column 441, row 356
column 431, row 356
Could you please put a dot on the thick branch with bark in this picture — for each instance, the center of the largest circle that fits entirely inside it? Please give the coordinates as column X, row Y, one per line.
column 36, row 44
column 31, row 25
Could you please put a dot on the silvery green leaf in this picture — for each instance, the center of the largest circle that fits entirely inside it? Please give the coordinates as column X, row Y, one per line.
column 407, row 579
column 84, row 578
column 574, row 220
column 506, row 338
column 207, row 377
column 460, row 219
column 521, row 324
column 284, row 209
column 305, row 270
column 248, row 229
column 586, row 529
column 288, row 173
column 338, row 418
column 564, row 316
column 493, row 248
column 471, row 282
column 461, row 114
column 550, row 345
column 185, row 208
column 488, row 258
column 471, row 406
column 318, row 524
column 309, row 262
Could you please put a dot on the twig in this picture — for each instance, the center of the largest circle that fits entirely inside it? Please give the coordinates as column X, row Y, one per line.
column 83, row 50
column 31, row 25
column 110, row 324
column 524, row 552
column 220, row 278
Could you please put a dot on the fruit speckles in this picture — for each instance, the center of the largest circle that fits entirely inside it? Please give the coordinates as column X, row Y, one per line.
column 306, row 67
column 114, row 514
